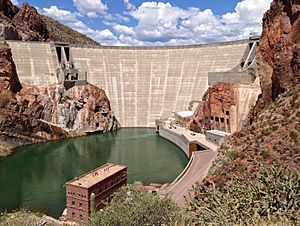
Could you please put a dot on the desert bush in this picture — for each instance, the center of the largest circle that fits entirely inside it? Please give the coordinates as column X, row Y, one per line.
column 19, row 218
column 131, row 207
column 274, row 194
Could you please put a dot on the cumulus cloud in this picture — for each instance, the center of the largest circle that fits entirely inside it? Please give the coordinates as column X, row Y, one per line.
column 15, row 2
column 159, row 23
column 162, row 23
column 128, row 5
column 91, row 8
column 71, row 19
column 249, row 11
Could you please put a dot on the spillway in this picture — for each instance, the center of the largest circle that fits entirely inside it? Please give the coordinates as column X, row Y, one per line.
column 141, row 82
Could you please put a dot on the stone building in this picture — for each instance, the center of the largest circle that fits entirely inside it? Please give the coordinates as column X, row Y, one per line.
column 91, row 190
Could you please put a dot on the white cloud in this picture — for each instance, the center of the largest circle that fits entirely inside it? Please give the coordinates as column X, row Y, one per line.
column 124, row 30
column 70, row 19
column 159, row 23
column 128, row 5
column 249, row 11
column 15, row 2
column 91, row 8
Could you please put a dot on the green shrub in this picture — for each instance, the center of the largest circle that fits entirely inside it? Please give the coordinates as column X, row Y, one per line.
column 274, row 127
column 232, row 155
column 131, row 207
column 294, row 136
column 19, row 218
column 274, row 194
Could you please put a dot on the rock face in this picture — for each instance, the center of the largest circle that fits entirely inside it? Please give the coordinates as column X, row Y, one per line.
column 9, row 80
column 36, row 114
column 279, row 49
column 80, row 108
column 30, row 24
column 8, row 30
column 8, row 9
column 216, row 106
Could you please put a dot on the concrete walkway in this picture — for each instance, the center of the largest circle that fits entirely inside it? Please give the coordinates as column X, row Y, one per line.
column 197, row 138
column 195, row 171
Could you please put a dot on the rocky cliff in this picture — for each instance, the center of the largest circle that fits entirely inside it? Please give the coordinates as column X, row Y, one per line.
column 28, row 25
column 32, row 114
column 217, row 100
column 279, row 49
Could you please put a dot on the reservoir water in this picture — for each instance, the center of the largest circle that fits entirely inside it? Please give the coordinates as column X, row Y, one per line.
column 34, row 177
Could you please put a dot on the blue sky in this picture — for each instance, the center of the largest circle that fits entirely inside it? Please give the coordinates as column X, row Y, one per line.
column 138, row 22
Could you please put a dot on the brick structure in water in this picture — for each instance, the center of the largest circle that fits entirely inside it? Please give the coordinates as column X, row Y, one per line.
column 101, row 182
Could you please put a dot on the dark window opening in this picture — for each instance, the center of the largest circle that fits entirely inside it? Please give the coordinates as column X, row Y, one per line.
column 250, row 46
column 81, row 217
column 67, row 52
column 200, row 148
column 97, row 124
column 58, row 52
column 73, row 203
column 73, row 215
column 80, row 204
column 217, row 119
column 227, row 112
column 222, row 119
column 212, row 118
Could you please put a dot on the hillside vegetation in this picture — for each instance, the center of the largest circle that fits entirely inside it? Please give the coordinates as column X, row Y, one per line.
column 256, row 175
column 62, row 33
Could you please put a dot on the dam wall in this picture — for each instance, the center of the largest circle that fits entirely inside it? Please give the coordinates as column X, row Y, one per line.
column 35, row 62
column 141, row 82
column 145, row 82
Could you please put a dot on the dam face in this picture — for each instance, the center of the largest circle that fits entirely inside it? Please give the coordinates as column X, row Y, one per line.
column 141, row 82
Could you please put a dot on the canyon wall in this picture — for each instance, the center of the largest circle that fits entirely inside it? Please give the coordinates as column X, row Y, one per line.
column 225, row 107
column 279, row 50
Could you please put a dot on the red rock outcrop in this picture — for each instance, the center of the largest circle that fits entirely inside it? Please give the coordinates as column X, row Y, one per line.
column 30, row 24
column 278, row 50
column 217, row 100
column 9, row 80
column 8, row 9
column 80, row 108
column 8, row 30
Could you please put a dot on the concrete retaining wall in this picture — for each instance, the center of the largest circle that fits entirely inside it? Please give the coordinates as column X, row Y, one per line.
column 175, row 138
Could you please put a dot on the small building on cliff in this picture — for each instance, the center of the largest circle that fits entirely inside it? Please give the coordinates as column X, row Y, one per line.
column 88, row 192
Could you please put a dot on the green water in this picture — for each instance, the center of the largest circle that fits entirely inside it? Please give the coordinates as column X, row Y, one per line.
column 34, row 177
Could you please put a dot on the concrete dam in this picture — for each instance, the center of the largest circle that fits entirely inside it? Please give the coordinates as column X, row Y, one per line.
column 141, row 82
